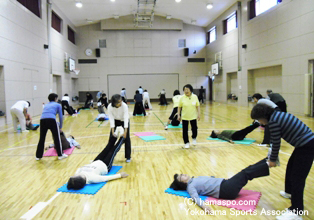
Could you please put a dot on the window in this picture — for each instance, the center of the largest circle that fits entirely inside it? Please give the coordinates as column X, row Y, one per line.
column 230, row 23
column 32, row 5
column 257, row 7
column 71, row 35
column 56, row 22
column 211, row 35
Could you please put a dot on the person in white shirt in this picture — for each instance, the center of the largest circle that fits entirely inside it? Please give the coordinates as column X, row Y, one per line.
column 173, row 119
column 18, row 112
column 93, row 173
column 65, row 103
column 162, row 97
column 146, row 99
column 119, row 116
column 258, row 98
column 123, row 95
column 140, row 90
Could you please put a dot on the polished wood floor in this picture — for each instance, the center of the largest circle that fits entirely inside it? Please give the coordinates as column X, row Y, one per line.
column 24, row 182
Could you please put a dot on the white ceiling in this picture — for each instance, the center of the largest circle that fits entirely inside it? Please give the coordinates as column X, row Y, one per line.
column 185, row 10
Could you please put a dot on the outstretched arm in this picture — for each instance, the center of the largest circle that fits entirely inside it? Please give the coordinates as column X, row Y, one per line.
column 93, row 178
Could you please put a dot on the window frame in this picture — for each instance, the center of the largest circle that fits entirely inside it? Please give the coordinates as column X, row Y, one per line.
column 208, row 40
column 225, row 22
column 33, row 6
column 56, row 22
column 70, row 35
column 252, row 8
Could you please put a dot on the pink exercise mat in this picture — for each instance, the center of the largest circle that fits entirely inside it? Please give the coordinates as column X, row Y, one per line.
column 52, row 152
column 247, row 200
column 139, row 134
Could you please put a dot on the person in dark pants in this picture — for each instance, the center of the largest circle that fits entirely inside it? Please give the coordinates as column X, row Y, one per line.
column 190, row 107
column 162, row 97
column 277, row 99
column 65, row 105
column 295, row 132
column 201, row 94
column 48, row 121
column 231, row 135
column 102, row 164
column 138, row 106
column 119, row 116
column 89, row 100
column 102, row 102
column 173, row 119
column 219, row 188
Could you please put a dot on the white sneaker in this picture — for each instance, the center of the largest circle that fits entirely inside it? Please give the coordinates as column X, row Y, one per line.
column 285, row 195
column 62, row 157
column 262, row 145
column 38, row 158
column 166, row 127
column 194, row 141
column 25, row 131
column 289, row 215
column 187, row 145
column 128, row 160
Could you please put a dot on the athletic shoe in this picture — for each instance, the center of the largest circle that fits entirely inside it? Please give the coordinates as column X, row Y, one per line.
column 289, row 215
column 25, row 131
column 187, row 145
column 285, row 195
column 128, row 160
column 166, row 127
column 268, row 156
column 38, row 158
column 62, row 157
column 256, row 122
column 262, row 145
column 194, row 141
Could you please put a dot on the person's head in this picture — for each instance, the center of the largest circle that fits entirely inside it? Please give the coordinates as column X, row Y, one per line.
column 116, row 101
column 180, row 182
column 66, row 94
column 257, row 96
column 140, row 87
column 137, row 92
column 103, row 95
column 215, row 133
column 76, row 182
column 269, row 91
column 176, row 92
column 201, row 87
column 53, row 97
column 123, row 88
column 87, row 94
column 145, row 90
column 188, row 89
column 262, row 113
column 29, row 104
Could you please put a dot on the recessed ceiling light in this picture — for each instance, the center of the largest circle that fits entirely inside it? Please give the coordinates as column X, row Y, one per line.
column 112, row 0
column 209, row 6
column 178, row 0
column 79, row 4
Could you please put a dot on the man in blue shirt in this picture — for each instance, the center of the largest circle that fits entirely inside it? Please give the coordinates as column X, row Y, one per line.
column 48, row 121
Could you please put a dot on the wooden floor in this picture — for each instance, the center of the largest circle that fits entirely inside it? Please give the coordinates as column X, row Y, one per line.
column 24, row 182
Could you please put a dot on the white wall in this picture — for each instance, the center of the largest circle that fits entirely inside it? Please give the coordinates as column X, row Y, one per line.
column 140, row 52
column 282, row 36
column 25, row 61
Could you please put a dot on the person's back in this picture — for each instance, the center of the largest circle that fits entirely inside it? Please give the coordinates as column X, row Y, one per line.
column 146, row 95
column 50, row 110
column 138, row 98
column 175, row 100
column 276, row 97
column 66, row 98
column 20, row 105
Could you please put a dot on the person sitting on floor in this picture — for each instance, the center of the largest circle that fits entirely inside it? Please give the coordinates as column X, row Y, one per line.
column 102, row 164
column 219, row 188
column 232, row 135
column 29, row 124
column 173, row 119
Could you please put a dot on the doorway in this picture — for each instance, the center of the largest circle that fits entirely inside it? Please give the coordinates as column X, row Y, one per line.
column 3, row 113
column 57, row 85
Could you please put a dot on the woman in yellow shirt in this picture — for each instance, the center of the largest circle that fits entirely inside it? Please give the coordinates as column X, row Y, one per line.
column 190, row 107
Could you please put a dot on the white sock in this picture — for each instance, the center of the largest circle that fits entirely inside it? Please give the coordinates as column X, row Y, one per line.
column 267, row 163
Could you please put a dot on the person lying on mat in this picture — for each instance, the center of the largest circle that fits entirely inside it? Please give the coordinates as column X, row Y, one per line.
column 93, row 173
column 219, row 188
column 232, row 135
column 29, row 123
column 66, row 142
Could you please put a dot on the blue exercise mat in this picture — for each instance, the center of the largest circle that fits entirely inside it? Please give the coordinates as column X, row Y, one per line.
column 245, row 141
column 184, row 194
column 152, row 138
column 171, row 126
column 90, row 189
column 19, row 128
